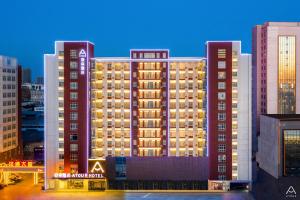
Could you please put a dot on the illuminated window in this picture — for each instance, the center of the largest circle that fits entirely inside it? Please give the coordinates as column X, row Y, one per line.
column 286, row 74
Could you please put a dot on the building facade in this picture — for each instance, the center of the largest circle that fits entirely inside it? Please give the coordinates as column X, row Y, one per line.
column 279, row 145
column 228, row 111
column 67, row 108
column 26, row 75
column 276, row 70
column 147, row 104
column 33, row 92
column 10, row 81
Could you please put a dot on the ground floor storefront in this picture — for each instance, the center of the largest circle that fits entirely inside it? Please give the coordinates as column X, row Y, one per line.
column 77, row 184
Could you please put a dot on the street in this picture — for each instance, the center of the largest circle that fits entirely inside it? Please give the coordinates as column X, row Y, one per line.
column 26, row 190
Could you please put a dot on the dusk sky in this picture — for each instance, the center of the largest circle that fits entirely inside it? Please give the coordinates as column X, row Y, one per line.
column 29, row 28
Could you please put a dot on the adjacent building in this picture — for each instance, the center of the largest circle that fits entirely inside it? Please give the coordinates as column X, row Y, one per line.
column 276, row 69
column 228, row 111
column 26, row 75
column 32, row 92
column 10, row 84
column 146, row 105
column 279, row 145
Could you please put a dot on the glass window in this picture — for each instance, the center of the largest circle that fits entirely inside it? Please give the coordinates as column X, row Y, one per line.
column 221, row 85
column 73, row 85
column 73, row 65
column 221, row 106
column 221, row 75
column 291, row 152
column 221, row 95
column 221, row 64
column 73, row 53
column 73, row 75
column 73, row 147
column 221, row 148
column 73, row 95
column 221, row 126
column 221, row 116
column 221, row 137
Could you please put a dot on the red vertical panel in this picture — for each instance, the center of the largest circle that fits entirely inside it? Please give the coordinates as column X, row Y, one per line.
column 212, row 56
column 83, row 105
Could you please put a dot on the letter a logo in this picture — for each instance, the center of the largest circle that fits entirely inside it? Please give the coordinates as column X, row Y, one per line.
column 97, row 167
column 82, row 53
column 291, row 190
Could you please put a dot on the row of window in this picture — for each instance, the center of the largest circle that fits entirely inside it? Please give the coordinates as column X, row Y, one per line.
column 9, row 70
column 9, row 119
column 8, row 78
column 9, row 111
column 9, row 103
column 9, row 135
column 8, row 94
column 9, row 86
column 9, row 127
column 8, row 144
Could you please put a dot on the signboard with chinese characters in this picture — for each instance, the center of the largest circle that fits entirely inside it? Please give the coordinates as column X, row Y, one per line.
column 96, row 171
column 22, row 163
column 82, row 56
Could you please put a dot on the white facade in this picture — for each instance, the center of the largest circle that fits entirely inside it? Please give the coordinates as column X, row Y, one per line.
column 244, row 138
column 51, row 104
column 8, row 103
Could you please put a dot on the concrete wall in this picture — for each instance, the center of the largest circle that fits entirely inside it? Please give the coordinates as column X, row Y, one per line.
column 267, row 155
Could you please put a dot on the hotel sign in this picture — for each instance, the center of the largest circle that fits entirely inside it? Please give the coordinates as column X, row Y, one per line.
column 82, row 56
column 96, row 171
column 78, row 176
column 97, row 166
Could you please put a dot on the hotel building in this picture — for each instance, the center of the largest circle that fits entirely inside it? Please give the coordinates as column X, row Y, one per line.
column 228, row 111
column 148, row 104
column 10, row 84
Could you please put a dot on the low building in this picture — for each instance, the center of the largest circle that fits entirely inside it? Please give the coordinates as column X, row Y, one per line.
column 279, row 145
column 157, row 173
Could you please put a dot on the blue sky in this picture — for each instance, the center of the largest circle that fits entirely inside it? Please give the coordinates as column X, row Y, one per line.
column 29, row 28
